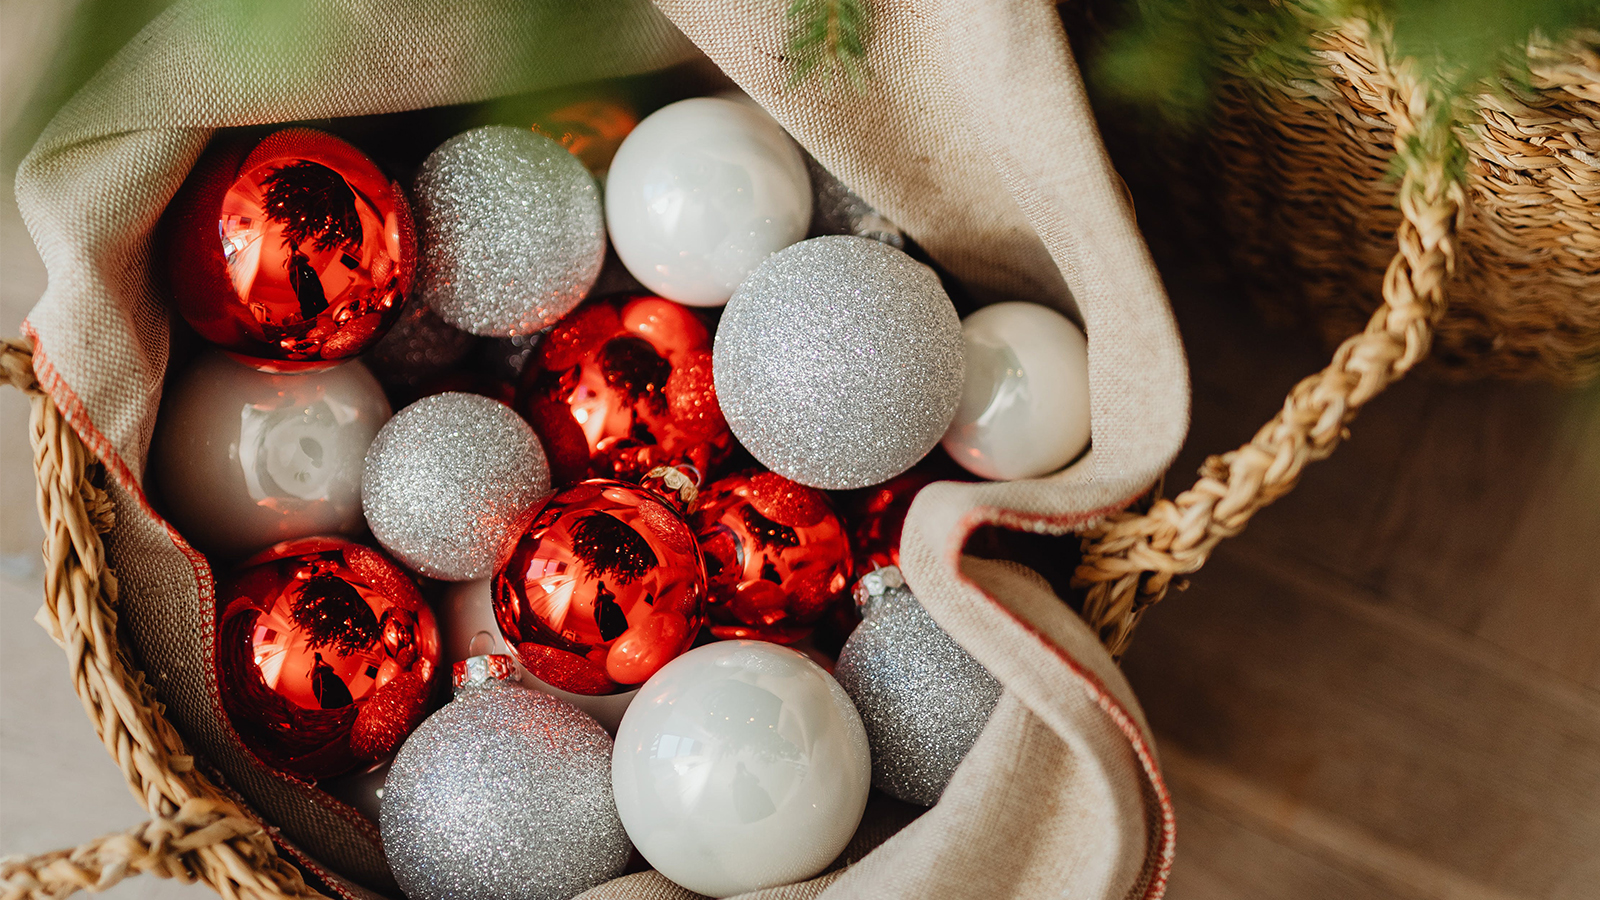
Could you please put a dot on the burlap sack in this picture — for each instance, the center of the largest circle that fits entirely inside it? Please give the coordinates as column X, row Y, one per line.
column 972, row 132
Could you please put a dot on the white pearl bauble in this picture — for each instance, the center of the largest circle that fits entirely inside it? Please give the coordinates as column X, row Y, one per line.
column 741, row 765
column 244, row 459
column 700, row 193
column 1025, row 406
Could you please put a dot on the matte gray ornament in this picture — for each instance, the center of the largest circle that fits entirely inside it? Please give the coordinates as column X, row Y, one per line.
column 838, row 362
column 510, row 229
column 923, row 699
column 446, row 478
column 503, row 794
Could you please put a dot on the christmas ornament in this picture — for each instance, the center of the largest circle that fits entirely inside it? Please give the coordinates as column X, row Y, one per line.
column 923, row 699
column 622, row 386
column 419, row 348
column 879, row 515
column 835, row 209
column 700, row 193
column 467, row 628
column 591, row 130
column 447, row 479
column 242, row 459
column 503, row 794
column 325, row 655
column 838, row 362
column 604, row 586
column 294, row 254
column 1024, row 411
column 776, row 556
column 741, row 765
column 511, row 230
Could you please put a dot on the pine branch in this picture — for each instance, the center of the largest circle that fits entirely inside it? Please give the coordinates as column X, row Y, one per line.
column 830, row 36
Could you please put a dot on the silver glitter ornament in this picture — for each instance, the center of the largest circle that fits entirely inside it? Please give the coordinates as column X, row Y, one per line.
column 835, row 209
column 838, row 362
column 421, row 346
column 923, row 699
column 510, row 228
column 503, row 794
column 447, row 478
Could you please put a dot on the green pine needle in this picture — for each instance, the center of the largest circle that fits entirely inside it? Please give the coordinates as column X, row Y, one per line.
column 828, row 36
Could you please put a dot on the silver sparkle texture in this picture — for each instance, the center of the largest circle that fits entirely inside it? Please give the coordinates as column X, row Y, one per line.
column 503, row 794
column 838, row 362
column 835, row 209
column 446, row 478
column 421, row 346
column 923, row 699
column 511, row 231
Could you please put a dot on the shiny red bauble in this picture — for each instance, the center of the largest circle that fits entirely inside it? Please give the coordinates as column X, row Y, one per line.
column 326, row 655
column 621, row 386
column 776, row 556
column 604, row 587
column 878, row 515
column 294, row 254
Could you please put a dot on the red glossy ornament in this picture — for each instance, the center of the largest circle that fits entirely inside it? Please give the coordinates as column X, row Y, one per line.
column 621, row 386
column 776, row 556
column 604, row 587
column 293, row 255
column 591, row 129
column 879, row 515
column 326, row 655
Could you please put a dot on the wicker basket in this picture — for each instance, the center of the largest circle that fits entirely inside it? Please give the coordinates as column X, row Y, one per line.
column 199, row 832
column 1293, row 186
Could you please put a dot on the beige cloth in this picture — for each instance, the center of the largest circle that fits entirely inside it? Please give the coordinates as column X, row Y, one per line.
column 973, row 133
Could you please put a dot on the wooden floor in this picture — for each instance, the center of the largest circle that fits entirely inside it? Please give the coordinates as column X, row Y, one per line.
column 1389, row 686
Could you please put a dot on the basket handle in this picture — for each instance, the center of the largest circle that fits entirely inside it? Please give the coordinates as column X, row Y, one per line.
column 197, row 832
column 1131, row 560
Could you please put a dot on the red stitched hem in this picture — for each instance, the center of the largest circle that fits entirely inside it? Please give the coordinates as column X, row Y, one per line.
column 1097, row 691
column 77, row 416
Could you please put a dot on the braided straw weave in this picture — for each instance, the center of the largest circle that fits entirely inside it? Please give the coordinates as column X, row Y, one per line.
column 1129, row 562
column 1295, row 178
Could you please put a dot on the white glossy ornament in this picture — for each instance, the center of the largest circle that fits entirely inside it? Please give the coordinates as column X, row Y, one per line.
column 467, row 629
column 1025, row 406
column 700, row 193
column 741, row 765
column 243, row 459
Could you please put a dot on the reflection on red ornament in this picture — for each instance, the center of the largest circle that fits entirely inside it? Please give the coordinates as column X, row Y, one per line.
column 621, row 386
column 604, row 587
column 591, row 129
column 879, row 515
column 326, row 655
column 776, row 556
column 293, row 255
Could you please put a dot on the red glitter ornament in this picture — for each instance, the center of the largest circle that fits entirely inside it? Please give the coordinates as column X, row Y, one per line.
column 293, row 255
column 604, row 587
column 776, row 556
column 621, row 386
column 326, row 655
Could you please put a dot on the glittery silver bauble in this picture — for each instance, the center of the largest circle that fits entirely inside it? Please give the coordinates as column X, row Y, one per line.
column 446, row 480
column 838, row 362
column 504, row 794
column 835, row 209
column 421, row 346
column 923, row 699
column 511, row 231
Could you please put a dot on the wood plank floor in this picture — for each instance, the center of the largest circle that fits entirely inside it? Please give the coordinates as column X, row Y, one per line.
column 1387, row 687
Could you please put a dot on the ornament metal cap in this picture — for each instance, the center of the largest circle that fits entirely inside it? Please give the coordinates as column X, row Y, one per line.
column 478, row 671
column 875, row 584
column 679, row 484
